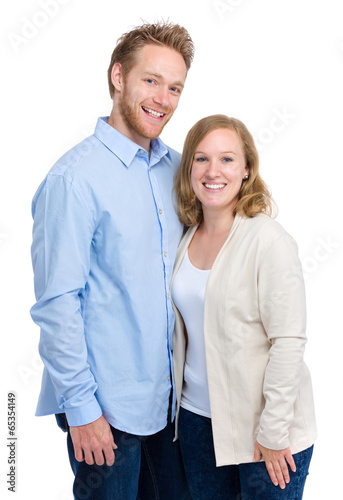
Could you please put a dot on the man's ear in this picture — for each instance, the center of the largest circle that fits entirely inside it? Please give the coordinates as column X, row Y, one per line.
column 117, row 76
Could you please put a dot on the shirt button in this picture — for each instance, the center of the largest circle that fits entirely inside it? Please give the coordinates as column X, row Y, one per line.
column 168, row 378
column 165, row 254
column 160, row 211
column 168, row 296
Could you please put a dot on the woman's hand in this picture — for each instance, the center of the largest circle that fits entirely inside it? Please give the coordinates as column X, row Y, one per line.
column 276, row 463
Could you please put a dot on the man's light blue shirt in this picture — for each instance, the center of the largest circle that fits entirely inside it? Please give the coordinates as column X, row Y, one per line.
column 105, row 236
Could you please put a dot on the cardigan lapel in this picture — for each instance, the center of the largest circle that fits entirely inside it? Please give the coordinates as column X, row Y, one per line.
column 182, row 248
column 187, row 238
column 236, row 222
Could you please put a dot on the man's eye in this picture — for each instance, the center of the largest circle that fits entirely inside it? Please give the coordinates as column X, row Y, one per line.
column 176, row 90
column 149, row 80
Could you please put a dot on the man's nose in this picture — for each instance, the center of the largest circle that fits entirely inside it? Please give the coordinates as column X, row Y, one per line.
column 162, row 97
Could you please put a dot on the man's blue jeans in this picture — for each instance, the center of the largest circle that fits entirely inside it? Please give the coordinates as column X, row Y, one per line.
column 231, row 482
column 145, row 468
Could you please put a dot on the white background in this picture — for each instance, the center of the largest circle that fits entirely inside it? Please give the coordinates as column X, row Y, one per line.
column 255, row 60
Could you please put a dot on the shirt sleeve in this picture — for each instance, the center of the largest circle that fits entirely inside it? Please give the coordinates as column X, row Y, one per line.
column 283, row 313
column 62, row 237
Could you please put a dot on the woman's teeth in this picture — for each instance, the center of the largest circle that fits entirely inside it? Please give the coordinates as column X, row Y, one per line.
column 214, row 186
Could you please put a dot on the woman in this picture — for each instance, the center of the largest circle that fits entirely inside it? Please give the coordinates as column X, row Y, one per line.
column 245, row 410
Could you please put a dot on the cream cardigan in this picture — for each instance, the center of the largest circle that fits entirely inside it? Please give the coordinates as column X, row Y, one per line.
column 254, row 327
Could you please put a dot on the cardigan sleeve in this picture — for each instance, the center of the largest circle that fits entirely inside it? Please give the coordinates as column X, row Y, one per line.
column 283, row 314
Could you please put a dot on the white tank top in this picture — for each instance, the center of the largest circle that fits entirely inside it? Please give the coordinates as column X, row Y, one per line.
column 188, row 295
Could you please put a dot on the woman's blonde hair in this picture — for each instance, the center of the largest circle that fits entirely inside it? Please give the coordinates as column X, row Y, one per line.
column 254, row 196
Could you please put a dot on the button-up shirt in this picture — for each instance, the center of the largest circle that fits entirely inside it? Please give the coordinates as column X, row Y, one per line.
column 105, row 236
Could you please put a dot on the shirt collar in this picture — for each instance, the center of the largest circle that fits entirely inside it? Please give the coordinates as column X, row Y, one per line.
column 124, row 148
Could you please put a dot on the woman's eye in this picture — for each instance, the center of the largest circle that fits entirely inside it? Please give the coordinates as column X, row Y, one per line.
column 200, row 159
column 150, row 80
column 227, row 159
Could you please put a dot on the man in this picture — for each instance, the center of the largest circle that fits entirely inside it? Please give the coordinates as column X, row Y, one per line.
column 104, row 239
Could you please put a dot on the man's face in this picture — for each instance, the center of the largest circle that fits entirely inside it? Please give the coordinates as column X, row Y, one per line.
column 149, row 93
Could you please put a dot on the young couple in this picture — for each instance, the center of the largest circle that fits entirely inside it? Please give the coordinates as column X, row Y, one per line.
column 229, row 381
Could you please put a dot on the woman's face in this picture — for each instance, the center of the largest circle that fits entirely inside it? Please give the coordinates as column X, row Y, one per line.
column 218, row 169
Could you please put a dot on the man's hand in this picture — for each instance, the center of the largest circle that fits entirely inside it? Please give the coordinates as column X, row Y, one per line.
column 94, row 442
column 276, row 463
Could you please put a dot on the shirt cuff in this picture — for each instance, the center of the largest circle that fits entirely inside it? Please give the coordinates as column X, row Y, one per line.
column 82, row 415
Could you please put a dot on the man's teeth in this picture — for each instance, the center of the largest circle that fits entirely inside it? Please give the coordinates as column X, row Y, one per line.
column 214, row 186
column 153, row 113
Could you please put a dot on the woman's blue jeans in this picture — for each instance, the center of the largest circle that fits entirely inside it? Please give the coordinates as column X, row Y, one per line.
column 145, row 468
column 231, row 482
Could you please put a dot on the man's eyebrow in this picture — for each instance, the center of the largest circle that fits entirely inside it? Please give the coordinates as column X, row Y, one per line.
column 179, row 84
column 151, row 73
column 158, row 75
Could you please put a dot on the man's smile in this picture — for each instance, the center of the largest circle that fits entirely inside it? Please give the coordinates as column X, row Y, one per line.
column 152, row 112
